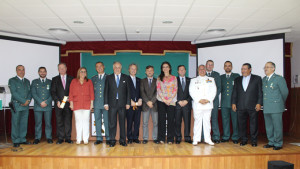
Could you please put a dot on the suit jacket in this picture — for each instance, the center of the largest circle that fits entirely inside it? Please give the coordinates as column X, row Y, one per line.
column 41, row 92
column 226, row 89
column 217, row 78
column 57, row 90
column 20, row 92
column 99, row 85
column 148, row 94
column 247, row 100
column 275, row 93
column 111, row 90
column 183, row 94
column 134, row 91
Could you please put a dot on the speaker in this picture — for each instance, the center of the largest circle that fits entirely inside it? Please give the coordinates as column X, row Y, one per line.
column 280, row 165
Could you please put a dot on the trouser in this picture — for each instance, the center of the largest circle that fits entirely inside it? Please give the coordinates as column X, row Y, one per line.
column 202, row 119
column 226, row 114
column 273, row 123
column 63, row 122
column 215, row 121
column 82, row 118
column 146, row 115
column 112, row 116
column 164, row 110
column 242, row 121
column 185, row 113
column 19, row 124
column 38, row 118
column 98, row 120
column 133, row 122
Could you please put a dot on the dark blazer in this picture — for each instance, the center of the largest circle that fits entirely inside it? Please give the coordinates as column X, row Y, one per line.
column 148, row 94
column 57, row 90
column 183, row 95
column 134, row 91
column 111, row 90
column 253, row 95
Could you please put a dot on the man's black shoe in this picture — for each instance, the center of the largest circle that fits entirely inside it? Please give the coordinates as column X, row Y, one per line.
column 243, row 143
column 145, row 141
column 59, row 141
column 216, row 141
column 130, row 141
column 16, row 145
column 137, row 141
column 97, row 142
column 235, row 141
column 268, row 146
column 36, row 141
column 277, row 148
column 224, row 141
column 177, row 142
column 189, row 141
column 26, row 143
column 49, row 141
column 123, row 144
column 69, row 141
column 112, row 144
column 254, row 144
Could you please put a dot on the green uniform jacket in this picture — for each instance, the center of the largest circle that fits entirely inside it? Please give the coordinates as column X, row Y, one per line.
column 217, row 78
column 99, row 91
column 20, row 92
column 275, row 92
column 226, row 89
column 41, row 92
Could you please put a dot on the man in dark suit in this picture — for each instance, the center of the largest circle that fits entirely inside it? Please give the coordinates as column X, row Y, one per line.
column 134, row 112
column 183, row 106
column 149, row 106
column 246, row 100
column 117, row 100
column 59, row 89
column 215, row 111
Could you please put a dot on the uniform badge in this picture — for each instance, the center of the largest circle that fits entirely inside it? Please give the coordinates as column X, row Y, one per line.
column 232, row 82
column 271, row 86
column 208, row 81
column 48, row 87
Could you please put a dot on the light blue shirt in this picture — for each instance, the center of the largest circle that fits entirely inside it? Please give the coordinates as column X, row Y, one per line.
column 246, row 81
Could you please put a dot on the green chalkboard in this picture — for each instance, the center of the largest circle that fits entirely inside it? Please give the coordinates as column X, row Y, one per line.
column 126, row 58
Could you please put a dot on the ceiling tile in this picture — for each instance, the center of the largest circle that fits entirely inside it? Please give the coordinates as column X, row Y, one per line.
column 200, row 22
column 186, row 37
column 141, row 21
column 205, row 11
column 35, row 11
column 6, row 11
column 100, row 2
column 49, row 22
column 70, row 10
column 190, row 30
column 162, row 37
column 171, row 11
column 240, row 31
column 140, row 29
column 111, row 29
column 84, row 30
column 70, row 21
column 108, row 21
column 158, row 21
column 237, row 13
column 103, row 10
column 137, row 10
column 90, row 36
column 138, row 36
column 114, row 37
column 166, row 30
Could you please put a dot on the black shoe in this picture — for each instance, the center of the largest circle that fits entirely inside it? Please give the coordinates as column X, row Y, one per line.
column 107, row 142
column 254, row 144
column 177, row 142
column 235, row 141
column 130, row 141
column 49, row 141
column 243, row 143
column 156, row 141
column 16, row 145
column 277, row 148
column 224, row 141
column 69, row 141
column 59, row 141
column 137, row 141
column 36, row 141
column 123, row 144
column 216, row 141
column 26, row 143
column 112, row 144
column 97, row 142
column 268, row 146
column 189, row 141
column 145, row 141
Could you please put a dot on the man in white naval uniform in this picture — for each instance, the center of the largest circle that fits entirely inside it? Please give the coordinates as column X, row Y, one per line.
column 203, row 91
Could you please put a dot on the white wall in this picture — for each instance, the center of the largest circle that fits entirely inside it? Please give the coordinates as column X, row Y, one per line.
column 295, row 62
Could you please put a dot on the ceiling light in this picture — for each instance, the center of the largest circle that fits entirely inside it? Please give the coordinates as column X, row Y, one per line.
column 58, row 30
column 215, row 31
column 167, row 22
column 78, row 22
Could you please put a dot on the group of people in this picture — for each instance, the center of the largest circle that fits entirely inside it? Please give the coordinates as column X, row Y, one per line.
column 167, row 98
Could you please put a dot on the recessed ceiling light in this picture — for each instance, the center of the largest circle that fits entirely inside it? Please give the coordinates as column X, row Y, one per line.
column 215, row 31
column 78, row 22
column 58, row 30
column 167, row 22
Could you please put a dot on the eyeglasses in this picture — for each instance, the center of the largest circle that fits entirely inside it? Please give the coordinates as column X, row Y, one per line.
column 82, row 71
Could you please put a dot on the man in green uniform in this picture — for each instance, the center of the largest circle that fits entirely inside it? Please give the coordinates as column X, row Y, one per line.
column 20, row 99
column 227, row 82
column 40, row 91
column 214, row 112
column 275, row 92
column 99, row 84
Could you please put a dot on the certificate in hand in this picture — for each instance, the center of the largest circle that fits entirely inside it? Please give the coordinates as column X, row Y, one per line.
column 63, row 102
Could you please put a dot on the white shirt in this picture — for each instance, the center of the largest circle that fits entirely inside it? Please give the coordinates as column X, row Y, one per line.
column 20, row 78
column 269, row 77
column 208, row 73
column 246, row 81
column 101, row 75
column 133, row 78
column 43, row 79
column 228, row 74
